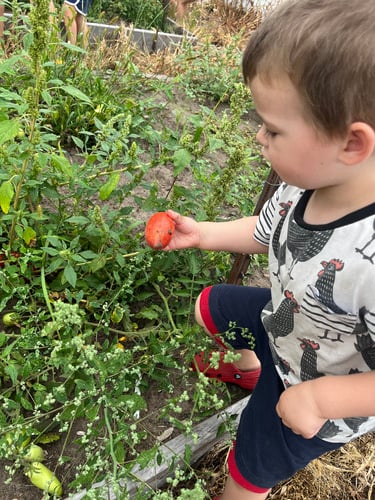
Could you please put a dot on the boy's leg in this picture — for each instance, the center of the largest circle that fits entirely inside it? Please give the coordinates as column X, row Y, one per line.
column 234, row 491
column 266, row 452
column 248, row 360
column 216, row 309
column 235, row 309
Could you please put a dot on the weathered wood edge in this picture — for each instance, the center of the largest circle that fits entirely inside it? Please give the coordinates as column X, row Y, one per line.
column 146, row 40
column 172, row 453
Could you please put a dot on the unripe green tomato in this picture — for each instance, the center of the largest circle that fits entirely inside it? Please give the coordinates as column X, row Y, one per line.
column 34, row 453
column 11, row 319
column 44, row 479
column 117, row 314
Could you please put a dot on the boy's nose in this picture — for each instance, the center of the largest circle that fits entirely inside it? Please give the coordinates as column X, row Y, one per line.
column 261, row 137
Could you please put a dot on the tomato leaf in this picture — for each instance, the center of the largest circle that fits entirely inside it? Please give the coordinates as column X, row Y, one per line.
column 74, row 92
column 62, row 164
column 12, row 371
column 28, row 235
column 48, row 437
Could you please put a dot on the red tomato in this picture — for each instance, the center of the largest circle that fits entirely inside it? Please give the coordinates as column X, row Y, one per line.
column 159, row 230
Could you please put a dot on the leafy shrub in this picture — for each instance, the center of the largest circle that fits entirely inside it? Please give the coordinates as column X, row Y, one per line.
column 146, row 14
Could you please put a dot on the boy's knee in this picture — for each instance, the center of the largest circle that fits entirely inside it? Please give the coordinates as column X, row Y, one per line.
column 197, row 311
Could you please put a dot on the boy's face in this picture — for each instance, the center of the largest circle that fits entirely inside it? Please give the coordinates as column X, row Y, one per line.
column 297, row 152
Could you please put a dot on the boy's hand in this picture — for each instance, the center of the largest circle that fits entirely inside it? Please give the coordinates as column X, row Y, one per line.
column 298, row 410
column 186, row 233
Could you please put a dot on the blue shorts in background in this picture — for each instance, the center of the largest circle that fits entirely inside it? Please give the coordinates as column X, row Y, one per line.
column 81, row 6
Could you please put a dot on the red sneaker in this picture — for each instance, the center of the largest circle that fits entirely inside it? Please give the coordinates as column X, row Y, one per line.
column 226, row 372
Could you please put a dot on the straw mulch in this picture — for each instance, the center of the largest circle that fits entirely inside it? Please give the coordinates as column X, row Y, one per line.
column 347, row 473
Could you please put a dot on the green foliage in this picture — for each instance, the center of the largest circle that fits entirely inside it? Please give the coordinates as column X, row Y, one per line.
column 98, row 318
column 209, row 71
column 144, row 14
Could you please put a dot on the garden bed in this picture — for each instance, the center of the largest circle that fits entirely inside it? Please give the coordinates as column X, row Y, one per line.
column 185, row 130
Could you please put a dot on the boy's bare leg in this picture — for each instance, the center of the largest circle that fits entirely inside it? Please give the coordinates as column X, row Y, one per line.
column 248, row 361
column 234, row 491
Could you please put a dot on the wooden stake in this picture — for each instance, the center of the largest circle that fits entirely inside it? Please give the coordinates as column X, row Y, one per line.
column 242, row 261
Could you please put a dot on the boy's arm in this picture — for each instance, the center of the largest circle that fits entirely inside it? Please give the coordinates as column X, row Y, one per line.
column 305, row 407
column 232, row 236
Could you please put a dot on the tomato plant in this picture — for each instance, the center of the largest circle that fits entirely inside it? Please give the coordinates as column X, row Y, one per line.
column 93, row 319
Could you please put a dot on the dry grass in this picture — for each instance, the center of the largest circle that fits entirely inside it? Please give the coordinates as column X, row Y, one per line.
column 347, row 473
column 215, row 22
column 219, row 21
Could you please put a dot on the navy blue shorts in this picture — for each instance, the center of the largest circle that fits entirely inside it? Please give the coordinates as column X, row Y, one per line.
column 266, row 451
column 81, row 6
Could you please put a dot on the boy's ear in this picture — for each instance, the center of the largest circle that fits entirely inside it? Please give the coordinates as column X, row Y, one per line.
column 359, row 143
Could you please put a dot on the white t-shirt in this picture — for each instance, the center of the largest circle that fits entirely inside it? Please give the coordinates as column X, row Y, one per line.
column 321, row 319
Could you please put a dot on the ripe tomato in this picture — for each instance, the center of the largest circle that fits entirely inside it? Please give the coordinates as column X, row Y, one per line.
column 159, row 230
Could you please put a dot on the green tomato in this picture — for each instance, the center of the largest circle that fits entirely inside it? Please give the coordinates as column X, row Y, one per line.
column 11, row 319
column 44, row 479
column 117, row 314
column 34, row 453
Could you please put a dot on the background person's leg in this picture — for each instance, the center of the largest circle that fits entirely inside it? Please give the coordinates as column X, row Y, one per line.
column 82, row 29
column 1, row 22
column 70, row 21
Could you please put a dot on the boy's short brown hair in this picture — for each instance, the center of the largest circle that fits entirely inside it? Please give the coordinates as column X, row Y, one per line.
column 327, row 49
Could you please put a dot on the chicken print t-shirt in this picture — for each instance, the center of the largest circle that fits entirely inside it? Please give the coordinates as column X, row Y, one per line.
column 321, row 319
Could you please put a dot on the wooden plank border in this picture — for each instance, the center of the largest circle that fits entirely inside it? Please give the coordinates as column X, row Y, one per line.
column 146, row 40
column 172, row 453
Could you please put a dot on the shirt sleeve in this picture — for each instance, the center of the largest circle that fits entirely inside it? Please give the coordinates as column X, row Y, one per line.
column 264, row 225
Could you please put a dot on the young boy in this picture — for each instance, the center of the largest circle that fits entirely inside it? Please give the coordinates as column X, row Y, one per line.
column 311, row 69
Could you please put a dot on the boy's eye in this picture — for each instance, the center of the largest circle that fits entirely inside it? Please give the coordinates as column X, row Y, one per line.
column 269, row 133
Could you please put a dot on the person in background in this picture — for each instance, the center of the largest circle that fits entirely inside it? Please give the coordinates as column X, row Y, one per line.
column 182, row 7
column 75, row 14
column 2, row 8
column 52, row 17
column 306, row 346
